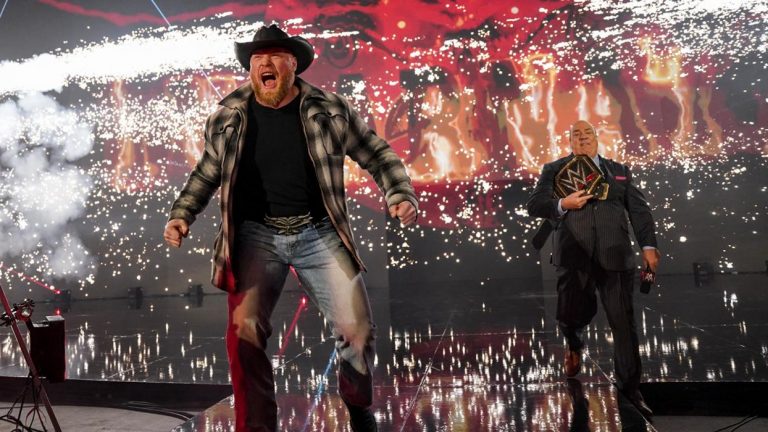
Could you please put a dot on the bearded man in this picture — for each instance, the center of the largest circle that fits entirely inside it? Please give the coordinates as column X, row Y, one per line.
column 276, row 147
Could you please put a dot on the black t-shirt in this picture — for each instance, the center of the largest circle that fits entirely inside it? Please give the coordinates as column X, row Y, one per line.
column 276, row 176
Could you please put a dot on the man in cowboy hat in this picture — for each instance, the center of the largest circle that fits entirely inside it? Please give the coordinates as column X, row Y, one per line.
column 276, row 147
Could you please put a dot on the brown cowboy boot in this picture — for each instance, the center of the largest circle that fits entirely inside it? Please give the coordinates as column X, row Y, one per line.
column 637, row 400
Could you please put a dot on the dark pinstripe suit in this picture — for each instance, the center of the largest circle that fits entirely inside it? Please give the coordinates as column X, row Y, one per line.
column 592, row 250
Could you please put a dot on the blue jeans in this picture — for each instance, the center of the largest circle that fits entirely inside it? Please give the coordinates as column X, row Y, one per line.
column 332, row 280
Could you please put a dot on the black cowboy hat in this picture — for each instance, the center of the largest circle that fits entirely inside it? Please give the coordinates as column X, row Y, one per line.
column 274, row 37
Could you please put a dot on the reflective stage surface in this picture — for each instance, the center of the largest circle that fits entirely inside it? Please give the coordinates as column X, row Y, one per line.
column 457, row 357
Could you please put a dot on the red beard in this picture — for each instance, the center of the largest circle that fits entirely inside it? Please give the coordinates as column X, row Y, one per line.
column 272, row 97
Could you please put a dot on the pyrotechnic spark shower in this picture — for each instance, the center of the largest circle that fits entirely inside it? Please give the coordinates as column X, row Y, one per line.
column 145, row 98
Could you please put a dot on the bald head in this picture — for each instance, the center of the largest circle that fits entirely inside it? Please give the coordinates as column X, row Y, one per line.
column 583, row 139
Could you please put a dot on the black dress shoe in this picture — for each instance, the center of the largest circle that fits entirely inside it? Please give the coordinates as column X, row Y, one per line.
column 361, row 419
column 637, row 400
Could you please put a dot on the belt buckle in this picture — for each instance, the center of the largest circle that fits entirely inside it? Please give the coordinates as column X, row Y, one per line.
column 288, row 225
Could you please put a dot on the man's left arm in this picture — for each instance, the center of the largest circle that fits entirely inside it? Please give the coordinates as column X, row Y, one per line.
column 375, row 155
column 642, row 222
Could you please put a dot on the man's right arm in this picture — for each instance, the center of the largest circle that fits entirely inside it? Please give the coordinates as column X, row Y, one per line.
column 202, row 183
column 542, row 203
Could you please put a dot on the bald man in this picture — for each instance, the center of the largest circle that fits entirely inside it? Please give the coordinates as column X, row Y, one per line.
column 592, row 252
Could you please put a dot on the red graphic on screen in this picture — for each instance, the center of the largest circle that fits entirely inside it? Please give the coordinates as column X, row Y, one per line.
column 476, row 95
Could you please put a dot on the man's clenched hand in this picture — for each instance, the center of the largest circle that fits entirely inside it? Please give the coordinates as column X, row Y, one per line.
column 175, row 230
column 405, row 211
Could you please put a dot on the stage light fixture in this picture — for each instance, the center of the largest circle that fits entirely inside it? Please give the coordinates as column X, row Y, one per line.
column 702, row 272
column 135, row 297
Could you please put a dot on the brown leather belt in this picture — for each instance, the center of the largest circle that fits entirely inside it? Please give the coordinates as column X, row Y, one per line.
column 288, row 225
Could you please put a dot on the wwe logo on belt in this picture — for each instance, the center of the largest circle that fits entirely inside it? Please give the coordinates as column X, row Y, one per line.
column 581, row 173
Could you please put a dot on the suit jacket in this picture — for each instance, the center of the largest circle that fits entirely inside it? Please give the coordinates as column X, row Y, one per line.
column 333, row 130
column 599, row 230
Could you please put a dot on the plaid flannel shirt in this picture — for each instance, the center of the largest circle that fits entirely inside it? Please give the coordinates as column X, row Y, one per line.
column 333, row 130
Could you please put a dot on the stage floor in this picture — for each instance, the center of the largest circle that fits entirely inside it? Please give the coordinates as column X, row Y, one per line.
column 454, row 357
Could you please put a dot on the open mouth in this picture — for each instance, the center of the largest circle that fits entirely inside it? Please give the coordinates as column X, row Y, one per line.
column 269, row 80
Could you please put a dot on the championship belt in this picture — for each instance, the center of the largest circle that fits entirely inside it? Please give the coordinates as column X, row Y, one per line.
column 581, row 174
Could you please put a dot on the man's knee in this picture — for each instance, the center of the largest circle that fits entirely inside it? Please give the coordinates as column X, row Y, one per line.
column 355, row 345
column 357, row 335
column 248, row 329
column 621, row 321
